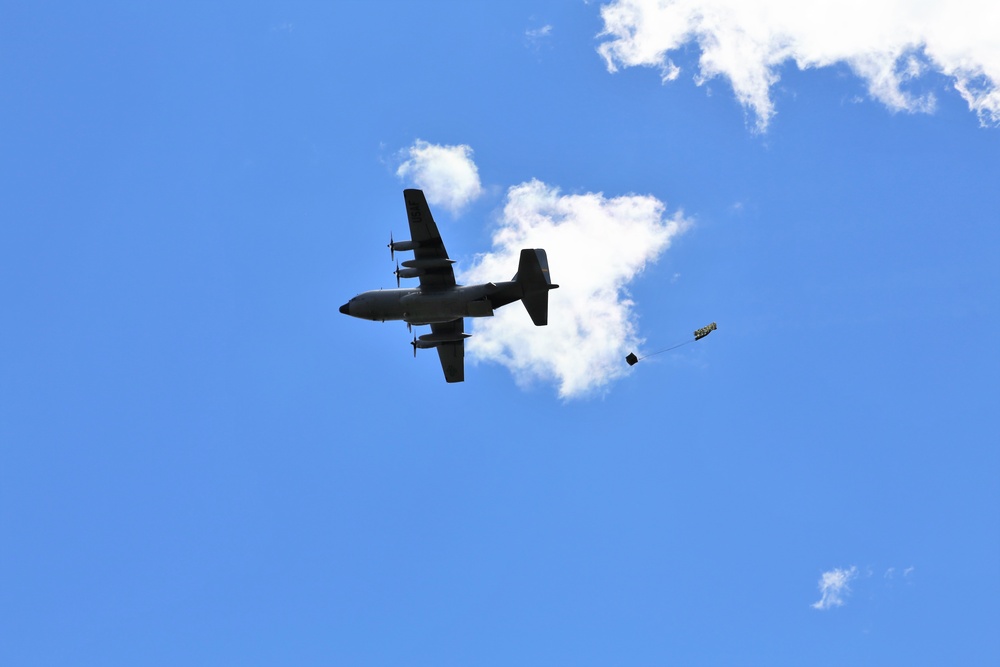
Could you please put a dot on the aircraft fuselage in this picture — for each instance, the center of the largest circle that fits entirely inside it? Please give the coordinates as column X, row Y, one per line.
column 419, row 306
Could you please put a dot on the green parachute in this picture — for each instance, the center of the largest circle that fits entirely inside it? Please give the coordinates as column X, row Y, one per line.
column 632, row 359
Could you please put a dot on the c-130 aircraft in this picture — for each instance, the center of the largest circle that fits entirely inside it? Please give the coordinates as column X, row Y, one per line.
column 439, row 301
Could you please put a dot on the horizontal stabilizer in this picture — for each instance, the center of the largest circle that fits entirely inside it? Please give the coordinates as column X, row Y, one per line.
column 537, row 305
column 533, row 277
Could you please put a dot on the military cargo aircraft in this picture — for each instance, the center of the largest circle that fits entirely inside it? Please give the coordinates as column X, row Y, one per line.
column 439, row 301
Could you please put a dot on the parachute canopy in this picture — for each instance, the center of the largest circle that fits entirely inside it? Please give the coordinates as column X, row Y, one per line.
column 704, row 331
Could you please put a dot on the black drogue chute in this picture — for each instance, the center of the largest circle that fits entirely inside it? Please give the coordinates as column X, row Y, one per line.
column 632, row 359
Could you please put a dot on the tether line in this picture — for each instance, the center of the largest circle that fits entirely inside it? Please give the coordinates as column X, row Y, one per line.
column 667, row 349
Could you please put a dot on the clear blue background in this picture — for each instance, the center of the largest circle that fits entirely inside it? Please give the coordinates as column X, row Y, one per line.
column 202, row 462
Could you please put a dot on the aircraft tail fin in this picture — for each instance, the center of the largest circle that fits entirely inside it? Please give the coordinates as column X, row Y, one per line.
column 533, row 277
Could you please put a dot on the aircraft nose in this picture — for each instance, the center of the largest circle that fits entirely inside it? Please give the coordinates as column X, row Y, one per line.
column 346, row 308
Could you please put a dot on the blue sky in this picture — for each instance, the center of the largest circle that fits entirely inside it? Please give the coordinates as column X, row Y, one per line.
column 203, row 462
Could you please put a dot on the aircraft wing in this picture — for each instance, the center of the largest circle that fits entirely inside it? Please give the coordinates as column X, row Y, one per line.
column 431, row 247
column 452, row 354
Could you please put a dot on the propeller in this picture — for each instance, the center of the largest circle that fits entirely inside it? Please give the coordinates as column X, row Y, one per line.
column 414, row 344
column 392, row 251
column 397, row 274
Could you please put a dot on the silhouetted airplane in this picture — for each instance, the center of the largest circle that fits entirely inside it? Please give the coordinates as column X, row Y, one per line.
column 441, row 303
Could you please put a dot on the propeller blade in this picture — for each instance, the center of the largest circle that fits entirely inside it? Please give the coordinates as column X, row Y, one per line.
column 397, row 274
column 392, row 251
column 414, row 344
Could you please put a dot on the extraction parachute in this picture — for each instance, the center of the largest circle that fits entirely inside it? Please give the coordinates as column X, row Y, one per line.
column 632, row 359
column 704, row 331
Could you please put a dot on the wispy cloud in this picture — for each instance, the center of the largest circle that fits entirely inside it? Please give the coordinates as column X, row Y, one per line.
column 596, row 246
column 889, row 44
column 834, row 587
column 446, row 174
column 538, row 33
column 536, row 38
column 891, row 572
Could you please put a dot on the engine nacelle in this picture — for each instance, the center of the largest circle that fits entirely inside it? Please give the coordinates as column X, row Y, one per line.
column 404, row 245
column 427, row 341
column 409, row 273
column 428, row 263
column 444, row 337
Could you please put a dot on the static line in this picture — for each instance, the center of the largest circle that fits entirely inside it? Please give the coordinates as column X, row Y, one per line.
column 672, row 347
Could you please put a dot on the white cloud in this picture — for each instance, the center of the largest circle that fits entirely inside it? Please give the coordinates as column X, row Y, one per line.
column 538, row 33
column 833, row 587
column 535, row 38
column 596, row 246
column 889, row 44
column 446, row 174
